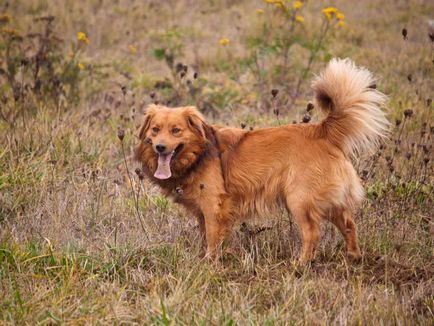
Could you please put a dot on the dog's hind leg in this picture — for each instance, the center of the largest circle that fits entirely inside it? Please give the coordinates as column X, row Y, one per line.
column 309, row 224
column 343, row 220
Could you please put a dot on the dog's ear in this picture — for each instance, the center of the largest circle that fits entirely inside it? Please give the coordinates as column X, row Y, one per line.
column 195, row 121
column 150, row 112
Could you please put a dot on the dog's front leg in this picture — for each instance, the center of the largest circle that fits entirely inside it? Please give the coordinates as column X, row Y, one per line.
column 217, row 226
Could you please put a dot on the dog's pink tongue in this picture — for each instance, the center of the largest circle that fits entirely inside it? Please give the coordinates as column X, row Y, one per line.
column 163, row 169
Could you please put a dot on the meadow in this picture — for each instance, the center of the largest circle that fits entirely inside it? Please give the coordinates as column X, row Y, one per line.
column 86, row 239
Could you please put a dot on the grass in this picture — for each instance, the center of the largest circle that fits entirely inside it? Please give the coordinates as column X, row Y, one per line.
column 72, row 249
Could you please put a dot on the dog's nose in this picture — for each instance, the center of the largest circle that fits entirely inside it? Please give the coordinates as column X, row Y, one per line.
column 160, row 148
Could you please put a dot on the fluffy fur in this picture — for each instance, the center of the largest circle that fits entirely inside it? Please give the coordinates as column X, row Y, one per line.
column 228, row 174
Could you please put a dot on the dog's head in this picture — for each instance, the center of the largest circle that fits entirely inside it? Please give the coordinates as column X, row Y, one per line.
column 172, row 140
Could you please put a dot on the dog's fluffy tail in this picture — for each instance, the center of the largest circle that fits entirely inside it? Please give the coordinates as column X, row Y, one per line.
column 355, row 122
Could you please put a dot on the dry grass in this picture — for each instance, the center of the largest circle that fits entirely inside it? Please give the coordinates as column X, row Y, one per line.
column 71, row 247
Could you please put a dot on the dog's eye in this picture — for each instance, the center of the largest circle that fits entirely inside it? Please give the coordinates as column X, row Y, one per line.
column 155, row 129
column 175, row 130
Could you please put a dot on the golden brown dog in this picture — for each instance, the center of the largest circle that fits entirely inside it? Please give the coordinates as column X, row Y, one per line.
column 227, row 174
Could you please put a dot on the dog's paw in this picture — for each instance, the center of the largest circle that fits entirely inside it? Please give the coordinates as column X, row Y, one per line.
column 354, row 257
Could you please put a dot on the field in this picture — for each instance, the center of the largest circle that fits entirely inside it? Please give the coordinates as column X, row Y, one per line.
column 84, row 239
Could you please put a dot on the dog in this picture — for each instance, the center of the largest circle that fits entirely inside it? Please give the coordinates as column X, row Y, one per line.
column 225, row 175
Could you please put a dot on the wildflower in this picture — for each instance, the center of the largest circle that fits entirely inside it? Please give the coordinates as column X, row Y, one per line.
column 81, row 66
column 132, row 49
column 277, row 3
column 259, row 11
column 224, row 41
column 10, row 31
column 297, row 4
column 4, row 19
column 300, row 19
column 341, row 23
column 329, row 11
column 340, row 16
column 82, row 37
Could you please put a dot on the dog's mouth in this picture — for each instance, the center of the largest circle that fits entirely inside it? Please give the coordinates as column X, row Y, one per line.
column 163, row 171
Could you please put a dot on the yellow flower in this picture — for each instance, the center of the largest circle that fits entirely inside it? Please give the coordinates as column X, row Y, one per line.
column 132, row 49
column 10, row 31
column 340, row 16
column 82, row 37
column 297, row 4
column 329, row 11
column 277, row 3
column 224, row 41
column 81, row 66
column 300, row 19
column 4, row 19
column 341, row 23
column 259, row 11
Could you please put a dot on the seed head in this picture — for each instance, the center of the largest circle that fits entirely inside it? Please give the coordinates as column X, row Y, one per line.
column 124, row 90
column 408, row 113
column 397, row 122
column 179, row 67
column 428, row 102
column 195, row 75
column 426, row 160
column 121, row 134
column 310, row 107
column 139, row 173
column 306, row 118
column 274, row 92
column 431, row 30
column 404, row 33
column 409, row 77
column 243, row 125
